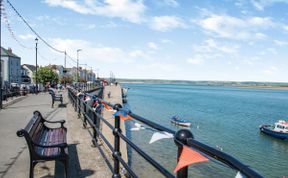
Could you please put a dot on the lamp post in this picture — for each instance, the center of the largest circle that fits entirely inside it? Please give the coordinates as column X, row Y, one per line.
column 36, row 47
column 77, row 77
column 0, row 56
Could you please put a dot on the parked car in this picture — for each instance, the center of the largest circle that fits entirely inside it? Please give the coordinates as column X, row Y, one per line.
column 15, row 89
column 23, row 89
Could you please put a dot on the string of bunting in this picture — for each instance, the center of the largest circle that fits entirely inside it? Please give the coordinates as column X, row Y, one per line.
column 8, row 25
column 187, row 157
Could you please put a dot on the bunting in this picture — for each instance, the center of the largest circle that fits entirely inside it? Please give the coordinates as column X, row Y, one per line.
column 137, row 127
column 106, row 106
column 188, row 157
column 123, row 115
column 239, row 175
column 160, row 135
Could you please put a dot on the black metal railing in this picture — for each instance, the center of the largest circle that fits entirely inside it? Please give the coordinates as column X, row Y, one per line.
column 181, row 138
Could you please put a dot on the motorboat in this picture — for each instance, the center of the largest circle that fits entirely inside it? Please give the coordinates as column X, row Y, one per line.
column 278, row 130
column 181, row 122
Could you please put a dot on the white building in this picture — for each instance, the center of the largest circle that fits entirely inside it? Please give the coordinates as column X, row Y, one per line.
column 28, row 71
column 11, row 66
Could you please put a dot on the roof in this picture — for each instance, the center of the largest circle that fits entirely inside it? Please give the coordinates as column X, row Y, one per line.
column 30, row 67
column 5, row 52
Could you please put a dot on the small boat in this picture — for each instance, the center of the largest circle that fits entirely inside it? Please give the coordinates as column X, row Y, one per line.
column 278, row 130
column 181, row 122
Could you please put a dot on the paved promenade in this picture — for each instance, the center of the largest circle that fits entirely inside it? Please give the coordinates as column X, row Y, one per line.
column 115, row 98
column 85, row 161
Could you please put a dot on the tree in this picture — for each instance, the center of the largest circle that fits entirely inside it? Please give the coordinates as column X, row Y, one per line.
column 45, row 74
column 66, row 79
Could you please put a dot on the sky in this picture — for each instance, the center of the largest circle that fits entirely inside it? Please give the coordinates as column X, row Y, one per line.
column 225, row 40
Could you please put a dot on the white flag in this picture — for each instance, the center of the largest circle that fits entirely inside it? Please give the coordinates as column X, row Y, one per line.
column 137, row 127
column 160, row 135
column 239, row 175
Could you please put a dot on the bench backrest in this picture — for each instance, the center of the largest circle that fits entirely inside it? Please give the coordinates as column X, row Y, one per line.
column 32, row 131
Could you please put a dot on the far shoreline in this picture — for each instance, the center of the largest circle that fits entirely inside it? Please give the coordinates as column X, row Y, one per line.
column 264, row 87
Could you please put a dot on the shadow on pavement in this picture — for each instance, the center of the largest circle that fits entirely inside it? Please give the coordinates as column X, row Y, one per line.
column 74, row 170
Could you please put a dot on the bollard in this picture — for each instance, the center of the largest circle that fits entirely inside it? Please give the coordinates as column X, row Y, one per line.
column 182, row 136
column 116, row 152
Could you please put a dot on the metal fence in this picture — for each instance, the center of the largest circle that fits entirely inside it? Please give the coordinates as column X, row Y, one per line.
column 181, row 138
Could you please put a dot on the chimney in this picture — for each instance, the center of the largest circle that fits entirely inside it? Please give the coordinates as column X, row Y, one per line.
column 9, row 50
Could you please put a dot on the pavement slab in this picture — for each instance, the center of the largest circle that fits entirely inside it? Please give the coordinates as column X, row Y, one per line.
column 85, row 160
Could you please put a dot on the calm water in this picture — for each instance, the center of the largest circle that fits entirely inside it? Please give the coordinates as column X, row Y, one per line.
column 222, row 117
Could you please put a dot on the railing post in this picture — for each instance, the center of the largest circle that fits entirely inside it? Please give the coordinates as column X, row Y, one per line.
column 96, row 124
column 117, row 152
column 84, row 114
column 78, row 106
column 182, row 136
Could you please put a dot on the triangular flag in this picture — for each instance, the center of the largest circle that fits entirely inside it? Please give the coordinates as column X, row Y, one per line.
column 95, row 103
column 189, row 156
column 239, row 175
column 160, row 135
column 137, row 127
column 123, row 115
column 109, row 108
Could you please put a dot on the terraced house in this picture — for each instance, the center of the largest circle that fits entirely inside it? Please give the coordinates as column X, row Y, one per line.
column 11, row 71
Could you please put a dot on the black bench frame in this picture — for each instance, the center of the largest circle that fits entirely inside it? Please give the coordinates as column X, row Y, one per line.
column 55, row 97
column 34, row 129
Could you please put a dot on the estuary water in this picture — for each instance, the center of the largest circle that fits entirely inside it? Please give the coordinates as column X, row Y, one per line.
column 225, row 118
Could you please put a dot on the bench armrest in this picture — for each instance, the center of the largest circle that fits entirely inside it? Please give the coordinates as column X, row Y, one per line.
column 61, row 145
column 55, row 122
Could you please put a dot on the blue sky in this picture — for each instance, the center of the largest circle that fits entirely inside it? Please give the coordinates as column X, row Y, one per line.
column 226, row 40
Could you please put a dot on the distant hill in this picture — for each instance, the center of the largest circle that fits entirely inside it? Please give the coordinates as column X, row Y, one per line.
column 206, row 83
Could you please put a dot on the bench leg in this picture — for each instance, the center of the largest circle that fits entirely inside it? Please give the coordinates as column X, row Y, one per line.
column 52, row 103
column 65, row 163
column 32, row 165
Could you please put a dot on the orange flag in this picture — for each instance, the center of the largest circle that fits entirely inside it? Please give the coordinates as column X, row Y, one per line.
column 123, row 115
column 189, row 156
column 109, row 108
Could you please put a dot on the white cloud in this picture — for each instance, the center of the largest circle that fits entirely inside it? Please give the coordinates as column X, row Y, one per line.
column 195, row 61
column 280, row 43
column 236, row 28
column 211, row 46
column 128, row 10
column 261, row 4
column 139, row 54
column 270, row 71
column 286, row 27
column 92, row 53
column 153, row 45
column 27, row 37
column 160, row 67
column 166, row 23
column 172, row 3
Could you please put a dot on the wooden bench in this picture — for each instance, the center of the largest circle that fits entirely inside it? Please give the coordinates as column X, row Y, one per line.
column 55, row 97
column 45, row 143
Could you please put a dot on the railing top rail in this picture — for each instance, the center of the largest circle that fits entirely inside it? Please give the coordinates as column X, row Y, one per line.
column 214, row 153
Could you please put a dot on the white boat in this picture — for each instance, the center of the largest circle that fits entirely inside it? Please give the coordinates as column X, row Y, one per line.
column 181, row 122
column 278, row 130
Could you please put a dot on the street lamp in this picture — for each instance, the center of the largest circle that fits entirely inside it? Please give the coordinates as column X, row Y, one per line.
column 77, row 77
column 36, row 47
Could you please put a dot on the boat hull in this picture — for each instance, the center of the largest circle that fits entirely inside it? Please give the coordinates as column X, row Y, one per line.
column 267, row 130
column 184, row 124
